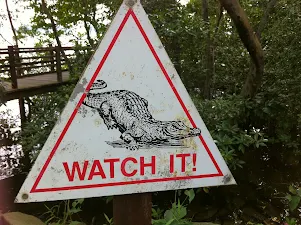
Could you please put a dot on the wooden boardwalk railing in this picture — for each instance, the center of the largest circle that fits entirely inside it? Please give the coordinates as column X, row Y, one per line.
column 28, row 69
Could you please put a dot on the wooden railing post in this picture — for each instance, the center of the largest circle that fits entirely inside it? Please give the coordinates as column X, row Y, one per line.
column 52, row 55
column 58, row 64
column 18, row 61
column 12, row 67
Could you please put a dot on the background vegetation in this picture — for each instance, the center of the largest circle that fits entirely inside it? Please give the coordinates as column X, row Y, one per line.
column 254, row 117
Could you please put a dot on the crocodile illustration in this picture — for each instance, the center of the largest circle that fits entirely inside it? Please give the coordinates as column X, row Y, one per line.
column 128, row 112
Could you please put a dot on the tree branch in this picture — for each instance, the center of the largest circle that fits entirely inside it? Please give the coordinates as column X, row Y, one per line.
column 219, row 19
column 264, row 21
column 11, row 23
column 208, row 53
column 250, row 41
column 87, row 27
column 45, row 9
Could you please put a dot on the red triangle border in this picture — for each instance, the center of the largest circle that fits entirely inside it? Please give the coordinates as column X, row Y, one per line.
column 38, row 179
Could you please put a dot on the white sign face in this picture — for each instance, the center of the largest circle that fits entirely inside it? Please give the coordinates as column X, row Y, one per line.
column 129, row 127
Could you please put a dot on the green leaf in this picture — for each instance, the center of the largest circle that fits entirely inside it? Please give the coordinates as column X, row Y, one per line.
column 292, row 190
column 179, row 192
column 170, row 222
column 288, row 197
column 107, row 218
column 293, row 204
column 256, row 137
column 180, row 212
column 299, row 191
column 154, row 211
column 75, row 210
column 108, row 199
column 80, row 201
column 159, row 222
column 75, row 223
column 190, row 193
column 168, row 215
column 291, row 221
column 206, row 190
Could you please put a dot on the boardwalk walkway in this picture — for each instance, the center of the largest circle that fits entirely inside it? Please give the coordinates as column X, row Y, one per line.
column 32, row 71
column 28, row 86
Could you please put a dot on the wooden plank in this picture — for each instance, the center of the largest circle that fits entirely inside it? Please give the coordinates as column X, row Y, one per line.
column 40, row 73
column 35, row 85
column 29, row 50
column 39, row 81
column 48, row 48
column 32, row 63
column 34, row 67
column 3, row 66
column 4, row 70
column 36, row 57
column 34, row 50
column 17, row 93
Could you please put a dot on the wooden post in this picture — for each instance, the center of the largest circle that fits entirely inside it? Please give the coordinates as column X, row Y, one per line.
column 132, row 209
column 52, row 55
column 12, row 67
column 22, row 111
column 19, row 73
column 58, row 64
column 18, row 61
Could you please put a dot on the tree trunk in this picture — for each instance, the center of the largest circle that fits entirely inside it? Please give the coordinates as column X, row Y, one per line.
column 11, row 23
column 87, row 28
column 208, row 53
column 25, row 161
column 17, row 57
column 86, row 25
column 15, row 37
column 45, row 9
column 94, row 23
column 271, row 4
column 95, row 26
column 251, row 42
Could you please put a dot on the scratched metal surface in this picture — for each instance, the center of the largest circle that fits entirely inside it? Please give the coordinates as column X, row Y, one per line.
column 130, row 65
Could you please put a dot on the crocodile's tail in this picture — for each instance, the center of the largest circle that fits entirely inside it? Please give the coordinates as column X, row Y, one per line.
column 95, row 99
column 99, row 84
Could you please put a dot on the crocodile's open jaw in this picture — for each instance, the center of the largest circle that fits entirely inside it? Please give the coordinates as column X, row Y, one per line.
column 178, row 130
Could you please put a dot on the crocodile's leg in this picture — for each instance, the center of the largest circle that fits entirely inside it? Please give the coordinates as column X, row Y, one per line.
column 105, row 113
column 131, row 136
column 106, row 121
column 129, row 139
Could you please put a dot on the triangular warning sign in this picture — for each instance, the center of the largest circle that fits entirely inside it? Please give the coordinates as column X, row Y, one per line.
column 130, row 126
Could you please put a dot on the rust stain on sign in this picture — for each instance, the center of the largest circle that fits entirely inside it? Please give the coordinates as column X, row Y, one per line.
column 80, row 88
column 227, row 178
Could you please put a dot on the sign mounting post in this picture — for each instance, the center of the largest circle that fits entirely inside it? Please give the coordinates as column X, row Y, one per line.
column 138, row 208
column 129, row 127
column 132, row 209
